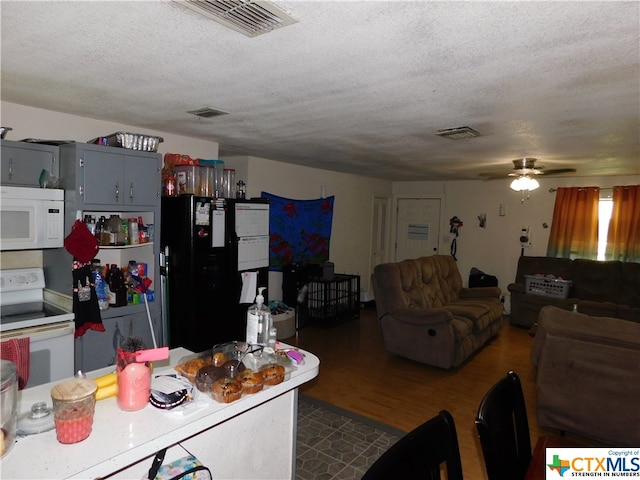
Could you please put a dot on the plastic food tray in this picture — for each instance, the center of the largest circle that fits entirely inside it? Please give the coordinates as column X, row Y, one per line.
column 131, row 141
column 547, row 287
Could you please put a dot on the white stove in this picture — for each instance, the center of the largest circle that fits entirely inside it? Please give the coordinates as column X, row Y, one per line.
column 24, row 313
column 22, row 300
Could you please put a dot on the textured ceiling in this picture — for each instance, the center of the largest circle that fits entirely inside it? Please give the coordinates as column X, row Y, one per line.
column 358, row 87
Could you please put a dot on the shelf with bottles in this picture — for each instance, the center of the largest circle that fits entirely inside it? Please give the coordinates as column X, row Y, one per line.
column 121, row 229
column 124, row 286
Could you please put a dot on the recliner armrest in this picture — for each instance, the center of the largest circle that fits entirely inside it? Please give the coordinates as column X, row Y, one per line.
column 516, row 288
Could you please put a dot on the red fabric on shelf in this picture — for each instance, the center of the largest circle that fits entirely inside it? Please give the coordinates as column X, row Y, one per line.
column 16, row 350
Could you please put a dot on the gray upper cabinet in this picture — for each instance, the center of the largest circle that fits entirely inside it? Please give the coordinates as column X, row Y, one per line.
column 112, row 176
column 22, row 162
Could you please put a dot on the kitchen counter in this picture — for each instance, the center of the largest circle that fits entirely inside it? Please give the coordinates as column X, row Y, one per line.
column 253, row 437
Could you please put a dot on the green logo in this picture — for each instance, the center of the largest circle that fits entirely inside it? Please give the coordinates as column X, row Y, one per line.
column 560, row 466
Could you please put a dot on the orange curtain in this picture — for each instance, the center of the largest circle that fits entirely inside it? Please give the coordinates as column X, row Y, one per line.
column 623, row 239
column 574, row 228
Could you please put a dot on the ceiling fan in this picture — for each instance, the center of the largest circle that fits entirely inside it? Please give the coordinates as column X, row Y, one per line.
column 526, row 167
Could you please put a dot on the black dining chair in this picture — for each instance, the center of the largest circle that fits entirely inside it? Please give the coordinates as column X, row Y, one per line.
column 421, row 453
column 503, row 429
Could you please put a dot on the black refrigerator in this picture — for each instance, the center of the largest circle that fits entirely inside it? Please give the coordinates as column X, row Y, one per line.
column 216, row 252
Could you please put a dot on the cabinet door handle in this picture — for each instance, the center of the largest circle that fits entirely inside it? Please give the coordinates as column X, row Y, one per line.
column 10, row 168
column 117, row 192
column 131, row 192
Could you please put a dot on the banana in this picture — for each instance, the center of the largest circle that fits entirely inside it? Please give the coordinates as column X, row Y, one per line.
column 106, row 380
column 107, row 391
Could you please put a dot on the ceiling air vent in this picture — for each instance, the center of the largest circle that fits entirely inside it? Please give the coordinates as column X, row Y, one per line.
column 207, row 112
column 459, row 133
column 251, row 17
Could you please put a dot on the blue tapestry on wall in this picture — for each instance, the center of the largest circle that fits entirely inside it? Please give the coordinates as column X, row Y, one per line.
column 300, row 230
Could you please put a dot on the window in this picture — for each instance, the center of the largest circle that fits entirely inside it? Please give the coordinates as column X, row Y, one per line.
column 605, row 206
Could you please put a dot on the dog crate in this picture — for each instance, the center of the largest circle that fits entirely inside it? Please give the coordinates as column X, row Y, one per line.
column 547, row 287
column 329, row 302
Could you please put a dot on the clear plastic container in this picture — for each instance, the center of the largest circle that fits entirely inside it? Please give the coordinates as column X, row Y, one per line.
column 207, row 181
column 9, row 405
column 188, row 177
column 216, row 174
column 73, row 406
column 229, row 183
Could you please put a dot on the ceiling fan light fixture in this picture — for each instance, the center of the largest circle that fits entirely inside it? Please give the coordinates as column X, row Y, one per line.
column 524, row 183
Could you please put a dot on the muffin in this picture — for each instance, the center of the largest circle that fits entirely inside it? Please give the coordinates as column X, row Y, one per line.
column 251, row 381
column 219, row 359
column 190, row 368
column 272, row 373
column 226, row 390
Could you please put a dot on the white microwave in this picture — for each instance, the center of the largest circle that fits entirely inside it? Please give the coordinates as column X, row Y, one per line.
column 31, row 218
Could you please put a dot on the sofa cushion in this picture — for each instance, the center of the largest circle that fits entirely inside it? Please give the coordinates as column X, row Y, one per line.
column 480, row 312
column 595, row 280
column 629, row 293
column 449, row 278
column 419, row 283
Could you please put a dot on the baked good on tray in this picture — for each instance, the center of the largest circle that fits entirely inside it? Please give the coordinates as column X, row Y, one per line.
column 190, row 368
column 252, row 382
column 272, row 373
column 226, row 390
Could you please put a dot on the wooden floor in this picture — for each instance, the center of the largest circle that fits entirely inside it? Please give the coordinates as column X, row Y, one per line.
column 358, row 374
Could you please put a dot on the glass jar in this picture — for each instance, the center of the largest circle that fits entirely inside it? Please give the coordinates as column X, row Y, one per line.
column 115, row 227
column 8, row 404
column 134, row 382
column 73, row 406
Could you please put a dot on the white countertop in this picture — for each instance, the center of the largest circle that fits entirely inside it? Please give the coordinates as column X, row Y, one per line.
column 120, row 438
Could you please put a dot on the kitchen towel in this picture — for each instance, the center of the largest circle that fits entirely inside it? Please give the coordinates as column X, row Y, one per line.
column 85, row 300
column 16, row 350
column 81, row 243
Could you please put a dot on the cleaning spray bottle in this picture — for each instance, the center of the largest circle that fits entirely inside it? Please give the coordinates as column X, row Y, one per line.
column 257, row 319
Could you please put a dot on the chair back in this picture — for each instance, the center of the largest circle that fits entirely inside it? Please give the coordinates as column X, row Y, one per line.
column 421, row 453
column 503, row 429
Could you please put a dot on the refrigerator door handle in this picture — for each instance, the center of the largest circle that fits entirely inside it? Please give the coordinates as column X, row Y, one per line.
column 164, row 294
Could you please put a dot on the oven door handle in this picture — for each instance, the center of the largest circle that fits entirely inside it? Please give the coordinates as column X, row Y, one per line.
column 41, row 332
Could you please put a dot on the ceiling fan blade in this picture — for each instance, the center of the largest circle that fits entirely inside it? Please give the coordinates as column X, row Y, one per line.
column 558, row 171
column 492, row 175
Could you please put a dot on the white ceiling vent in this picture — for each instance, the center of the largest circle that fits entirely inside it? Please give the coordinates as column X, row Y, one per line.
column 459, row 133
column 251, row 17
column 207, row 112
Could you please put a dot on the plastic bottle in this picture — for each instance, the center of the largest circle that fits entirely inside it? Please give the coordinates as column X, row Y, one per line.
column 100, row 226
column 134, row 235
column 102, row 290
column 111, row 294
column 117, row 287
column 257, row 315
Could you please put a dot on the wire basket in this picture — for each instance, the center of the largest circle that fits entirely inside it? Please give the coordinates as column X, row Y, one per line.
column 547, row 287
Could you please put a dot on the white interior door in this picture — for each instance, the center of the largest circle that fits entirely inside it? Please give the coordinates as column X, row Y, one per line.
column 379, row 233
column 417, row 227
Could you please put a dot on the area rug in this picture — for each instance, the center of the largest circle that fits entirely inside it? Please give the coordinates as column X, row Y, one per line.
column 333, row 443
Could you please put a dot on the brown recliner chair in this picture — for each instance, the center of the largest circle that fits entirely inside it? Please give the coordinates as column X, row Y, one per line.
column 427, row 315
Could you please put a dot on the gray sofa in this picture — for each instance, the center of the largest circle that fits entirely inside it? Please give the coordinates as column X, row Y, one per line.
column 607, row 289
column 587, row 375
column 426, row 315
